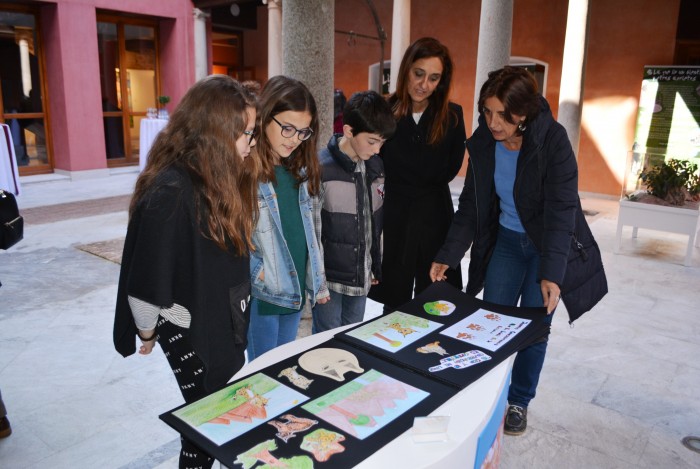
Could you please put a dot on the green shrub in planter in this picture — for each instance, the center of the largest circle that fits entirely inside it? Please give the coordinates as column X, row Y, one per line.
column 672, row 181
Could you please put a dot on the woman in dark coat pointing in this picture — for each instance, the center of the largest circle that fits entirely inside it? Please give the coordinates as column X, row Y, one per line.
column 521, row 214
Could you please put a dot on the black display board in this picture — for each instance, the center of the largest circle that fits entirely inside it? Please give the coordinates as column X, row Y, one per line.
column 365, row 398
column 465, row 305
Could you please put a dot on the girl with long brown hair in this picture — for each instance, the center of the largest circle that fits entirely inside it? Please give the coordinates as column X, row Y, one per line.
column 287, row 261
column 185, row 276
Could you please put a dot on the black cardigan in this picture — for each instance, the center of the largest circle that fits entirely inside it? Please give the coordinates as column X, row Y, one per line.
column 167, row 260
column 547, row 201
column 418, row 205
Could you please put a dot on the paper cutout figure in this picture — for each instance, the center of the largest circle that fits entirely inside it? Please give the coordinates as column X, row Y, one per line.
column 295, row 378
column 404, row 331
column 366, row 404
column 323, row 444
column 433, row 347
column 486, row 329
column 239, row 407
column 261, row 452
column 292, row 426
column 461, row 360
column 394, row 331
column 332, row 363
column 439, row 308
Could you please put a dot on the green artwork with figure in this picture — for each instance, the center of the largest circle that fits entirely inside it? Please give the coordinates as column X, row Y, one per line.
column 240, row 407
column 394, row 331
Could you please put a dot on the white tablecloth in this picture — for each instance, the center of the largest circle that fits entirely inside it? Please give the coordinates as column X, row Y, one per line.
column 469, row 411
column 9, row 174
column 149, row 131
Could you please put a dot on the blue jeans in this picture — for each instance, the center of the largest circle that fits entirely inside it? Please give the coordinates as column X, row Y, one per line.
column 511, row 276
column 269, row 331
column 340, row 311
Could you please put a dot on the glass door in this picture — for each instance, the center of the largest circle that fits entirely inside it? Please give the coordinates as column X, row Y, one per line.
column 22, row 103
column 129, row 82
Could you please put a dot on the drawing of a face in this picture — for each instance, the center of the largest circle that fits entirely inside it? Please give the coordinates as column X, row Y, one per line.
column 332, row 363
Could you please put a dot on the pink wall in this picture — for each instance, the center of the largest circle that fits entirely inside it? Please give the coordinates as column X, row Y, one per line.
column 70, row 39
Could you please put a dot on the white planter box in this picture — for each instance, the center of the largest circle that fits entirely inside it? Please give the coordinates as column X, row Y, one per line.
column 658, row 217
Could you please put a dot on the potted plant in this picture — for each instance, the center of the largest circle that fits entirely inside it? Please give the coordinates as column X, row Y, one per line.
column 675, row 183
column 668, row 203
column 162, row 111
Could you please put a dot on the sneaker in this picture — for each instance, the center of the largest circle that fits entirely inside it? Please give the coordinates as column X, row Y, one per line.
column 5, row 429
column 516, row 420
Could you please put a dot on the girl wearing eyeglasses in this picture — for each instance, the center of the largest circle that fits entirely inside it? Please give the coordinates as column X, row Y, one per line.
column 286, row 265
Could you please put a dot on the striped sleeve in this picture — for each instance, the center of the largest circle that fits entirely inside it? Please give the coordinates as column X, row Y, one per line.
column 146, row 314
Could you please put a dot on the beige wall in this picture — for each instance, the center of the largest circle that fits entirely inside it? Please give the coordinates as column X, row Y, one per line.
column 623, row 38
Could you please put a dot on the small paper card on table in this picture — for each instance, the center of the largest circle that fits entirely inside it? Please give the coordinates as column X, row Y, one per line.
column 430, row 429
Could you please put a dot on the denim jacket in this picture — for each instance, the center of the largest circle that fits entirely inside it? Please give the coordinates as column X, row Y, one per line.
column 271, row 258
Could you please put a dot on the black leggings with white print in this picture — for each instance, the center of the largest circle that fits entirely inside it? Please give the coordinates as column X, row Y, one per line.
column 189, row 373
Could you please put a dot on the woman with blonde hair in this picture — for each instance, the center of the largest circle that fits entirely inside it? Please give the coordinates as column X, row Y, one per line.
column 185, row 277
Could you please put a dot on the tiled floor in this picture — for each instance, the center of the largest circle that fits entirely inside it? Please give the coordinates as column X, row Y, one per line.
column 619, row 390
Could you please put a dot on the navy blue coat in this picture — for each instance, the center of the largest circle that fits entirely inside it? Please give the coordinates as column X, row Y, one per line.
column 547, row 201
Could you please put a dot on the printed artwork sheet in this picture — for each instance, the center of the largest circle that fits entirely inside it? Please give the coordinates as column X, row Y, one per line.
column 366, row 404
column 486, row 329
column 236, row 409
column 394, row 331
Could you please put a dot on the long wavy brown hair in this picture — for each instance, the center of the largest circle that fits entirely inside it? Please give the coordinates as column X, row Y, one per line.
column 200, row 139
column 400, row 100
column 280, row 94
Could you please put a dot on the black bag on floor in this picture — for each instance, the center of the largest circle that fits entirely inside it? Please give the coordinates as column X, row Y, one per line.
column 11, row 223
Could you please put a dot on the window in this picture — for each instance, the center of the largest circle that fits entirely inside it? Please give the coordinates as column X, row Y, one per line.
column 129, row 82
column 22, row 104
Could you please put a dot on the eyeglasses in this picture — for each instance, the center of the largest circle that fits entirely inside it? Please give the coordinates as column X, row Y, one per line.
column 251, row 136
column 288, row 131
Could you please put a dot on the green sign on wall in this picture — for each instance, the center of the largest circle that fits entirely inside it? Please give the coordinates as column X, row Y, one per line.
column 668, row 120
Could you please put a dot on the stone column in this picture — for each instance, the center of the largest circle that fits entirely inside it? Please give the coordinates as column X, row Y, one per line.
column 201, row 62
column 400, row 37
column 274, row 37
column 573, row 71
column 495, row 32
column 307, row 53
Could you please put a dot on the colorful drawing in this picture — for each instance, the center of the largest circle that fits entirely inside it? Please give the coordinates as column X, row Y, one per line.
column 433, row 347
column 394, row 331
column 366, row 404
column 295, row 378
column 461, row 360
column 323, row 444
column 261, row 453
column 486, row 329
column 292, row 426
column 332, row 363
column 236, row 409
column 439, row 308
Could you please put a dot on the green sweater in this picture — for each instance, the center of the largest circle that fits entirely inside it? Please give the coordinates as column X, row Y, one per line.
column 293, row 231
